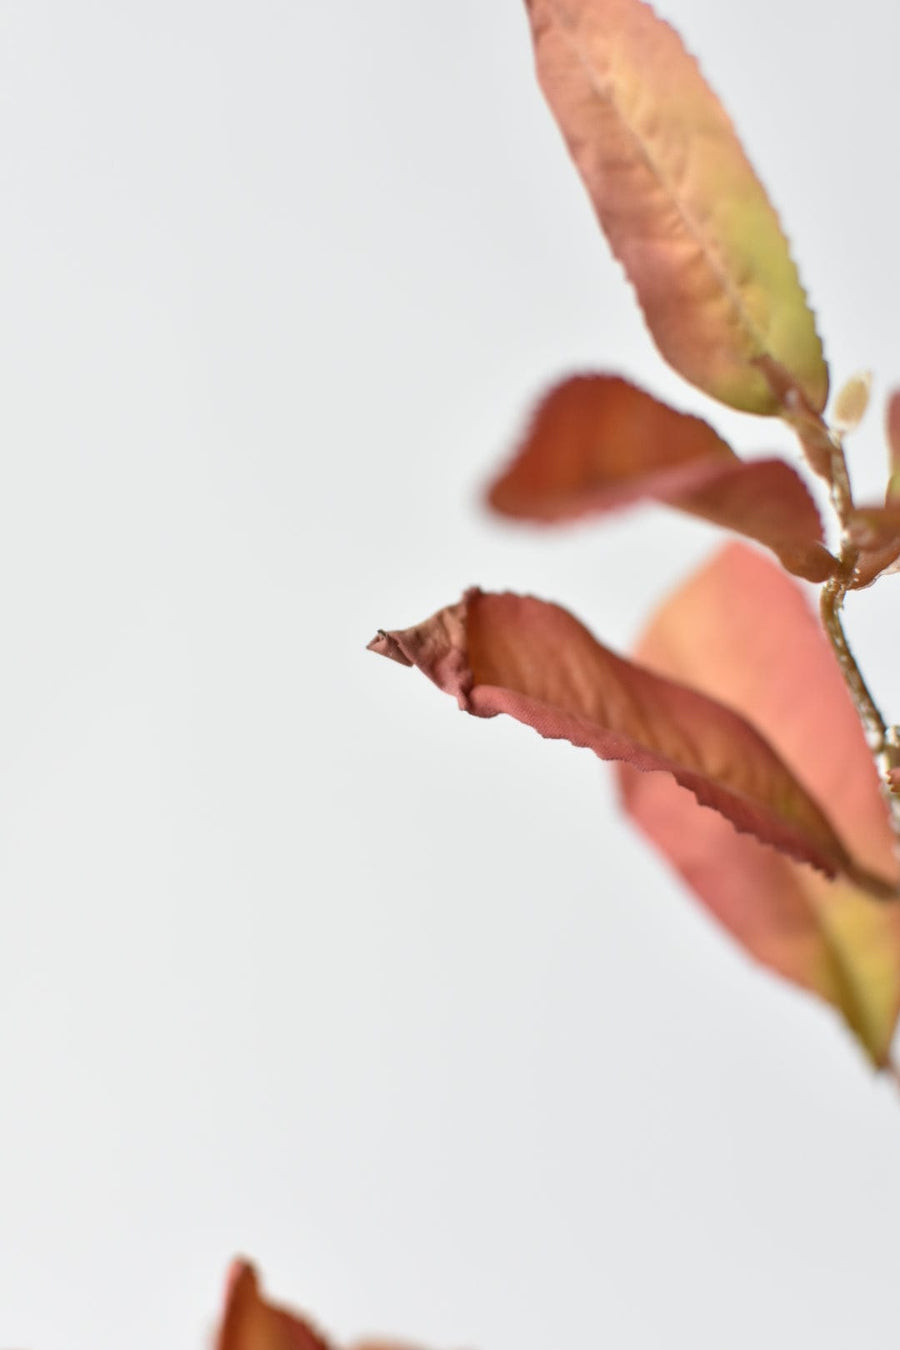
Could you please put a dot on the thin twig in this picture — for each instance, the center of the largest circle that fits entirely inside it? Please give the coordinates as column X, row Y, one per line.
column 824, row 450
column 831, row 602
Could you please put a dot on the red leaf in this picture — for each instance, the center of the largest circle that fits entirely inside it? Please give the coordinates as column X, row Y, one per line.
column 534, row 661
column 742, row 631
column 597, row 442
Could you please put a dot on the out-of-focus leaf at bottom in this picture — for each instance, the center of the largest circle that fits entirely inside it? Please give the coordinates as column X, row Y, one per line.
column 251, row 1322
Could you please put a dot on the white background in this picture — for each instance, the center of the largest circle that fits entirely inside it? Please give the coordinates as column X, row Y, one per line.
column 296, row 960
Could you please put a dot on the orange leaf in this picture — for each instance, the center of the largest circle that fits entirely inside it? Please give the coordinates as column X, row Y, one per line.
column 742, row 631
column 534, row 661
column 597, row 442
column 680, row 203
column 251, row 1323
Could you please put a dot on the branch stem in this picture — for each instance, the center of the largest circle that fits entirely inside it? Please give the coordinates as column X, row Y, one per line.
column 823, row 447
column 831, row 602
column 882, row 739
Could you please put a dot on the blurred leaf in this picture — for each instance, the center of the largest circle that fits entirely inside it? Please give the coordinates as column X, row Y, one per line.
column 249, row 1322
column 597, row 443
column 740, row 630
column 680, row 203
column 534, row 661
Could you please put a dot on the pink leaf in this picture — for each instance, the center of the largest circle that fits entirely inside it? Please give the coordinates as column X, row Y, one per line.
column 251, row 1323
column 740, row 630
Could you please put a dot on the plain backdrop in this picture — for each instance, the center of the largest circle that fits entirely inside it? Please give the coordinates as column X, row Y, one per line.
column 297, row 961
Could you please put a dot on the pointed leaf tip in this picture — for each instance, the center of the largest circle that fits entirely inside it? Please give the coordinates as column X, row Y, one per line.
column 383, row 644
column 438, row 647
column 679, row 202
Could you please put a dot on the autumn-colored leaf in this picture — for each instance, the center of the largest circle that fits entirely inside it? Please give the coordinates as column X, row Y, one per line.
column 680, row 203
column 597, row 442
column 534, row 661
column 251, row 1323
column 741, row 631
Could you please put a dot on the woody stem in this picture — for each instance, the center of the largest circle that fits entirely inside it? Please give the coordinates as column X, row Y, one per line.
column 831, row 602
column 824, row 451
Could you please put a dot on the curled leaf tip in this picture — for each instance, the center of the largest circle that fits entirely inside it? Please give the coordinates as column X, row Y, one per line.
column 439, row 647
column 383, row 644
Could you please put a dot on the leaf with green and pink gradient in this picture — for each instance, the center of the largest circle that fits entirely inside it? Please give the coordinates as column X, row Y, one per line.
column 504, row 653
column 597, row 443
column 679, row 202
column 741, row 631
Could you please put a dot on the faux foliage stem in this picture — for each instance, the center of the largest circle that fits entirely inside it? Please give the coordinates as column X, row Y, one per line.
column 824, row 450
column 841, row 494
column 831, row 602
column 880, row 737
